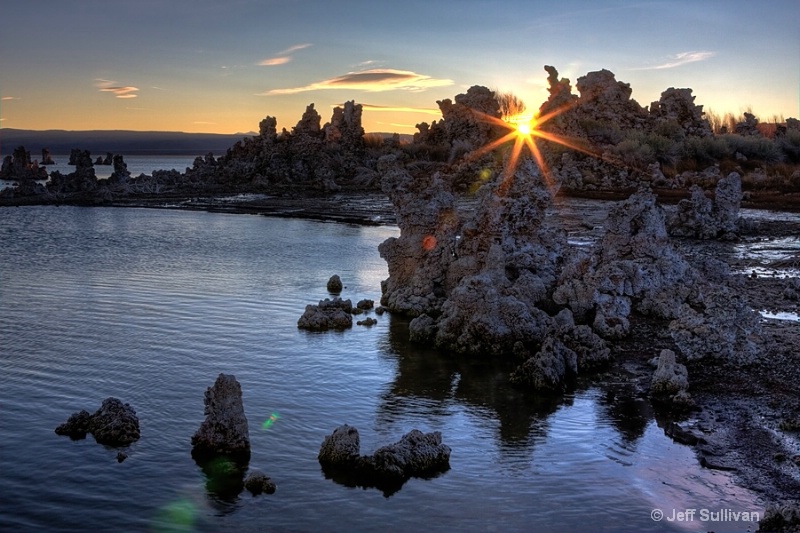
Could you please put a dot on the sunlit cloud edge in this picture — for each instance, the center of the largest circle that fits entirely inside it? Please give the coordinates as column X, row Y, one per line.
column 284, row 56
column 680, row 59
column 374, row 80
column 384, row 108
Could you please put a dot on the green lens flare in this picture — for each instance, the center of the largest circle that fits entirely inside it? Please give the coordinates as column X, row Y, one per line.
column 270, row 421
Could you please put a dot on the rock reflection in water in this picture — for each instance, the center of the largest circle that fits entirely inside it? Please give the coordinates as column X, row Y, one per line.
column 522, row 417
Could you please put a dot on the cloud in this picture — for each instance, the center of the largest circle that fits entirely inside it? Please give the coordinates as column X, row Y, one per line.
column 275, row 61
column 425, row 110
column 284, row 56
column 681, row 59
column 108, row 86
column 294, row 48
column 7, row 98
column 374, row 80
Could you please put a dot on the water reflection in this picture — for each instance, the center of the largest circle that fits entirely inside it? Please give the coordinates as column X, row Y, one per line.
column 431, row 380
column 628, row 412
column 428, row 383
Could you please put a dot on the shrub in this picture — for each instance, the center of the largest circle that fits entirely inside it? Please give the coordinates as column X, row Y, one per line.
column 670, row 129
column 754, row 147
column 373, row 141
column 601, row 131
column 634, row 152
column 789, row 146
column 667, row 151
column 705, row 151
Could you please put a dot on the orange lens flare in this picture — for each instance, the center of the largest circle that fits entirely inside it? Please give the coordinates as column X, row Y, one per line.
column 429, row 243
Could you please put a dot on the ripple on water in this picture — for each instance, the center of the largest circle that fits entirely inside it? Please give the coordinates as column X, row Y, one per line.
column 149, row 306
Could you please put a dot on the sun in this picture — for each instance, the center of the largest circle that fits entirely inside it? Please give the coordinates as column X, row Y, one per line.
column 524, row 130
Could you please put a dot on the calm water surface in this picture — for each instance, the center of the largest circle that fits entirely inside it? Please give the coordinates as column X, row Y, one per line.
column 151, row 305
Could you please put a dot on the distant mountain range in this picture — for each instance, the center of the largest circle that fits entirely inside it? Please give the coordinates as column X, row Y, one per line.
column 98, row 142
column 124, row 142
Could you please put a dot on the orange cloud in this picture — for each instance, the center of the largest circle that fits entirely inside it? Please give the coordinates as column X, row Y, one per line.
column 375, row 80
column 275, row 61
column 283, row 57
column 108, row 86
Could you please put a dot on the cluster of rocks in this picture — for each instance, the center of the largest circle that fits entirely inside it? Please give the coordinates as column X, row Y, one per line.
column 499, row 281
column 27, row 174
column 107, row 160
column 82, row 180
column 335, row 313
column 221, row 446
column 114, row 424
column 781, row 517
column 81, row 184
column 703, row 218
column 466, row 122
column 311, row 156
column 416, row 454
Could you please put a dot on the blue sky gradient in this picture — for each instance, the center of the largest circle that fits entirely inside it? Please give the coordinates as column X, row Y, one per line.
column 198, row 65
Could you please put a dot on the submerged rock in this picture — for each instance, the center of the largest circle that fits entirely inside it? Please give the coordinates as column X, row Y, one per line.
column 328, row 314
column 224, row 430
column 341, row 447
column 365, row 304
column 77, row 425
column 258, row 482
column 416, row 454
column 114, row 424
column 549, row 369
column 335, row 284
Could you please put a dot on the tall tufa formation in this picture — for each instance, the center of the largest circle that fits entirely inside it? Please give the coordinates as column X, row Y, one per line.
column 224, row 432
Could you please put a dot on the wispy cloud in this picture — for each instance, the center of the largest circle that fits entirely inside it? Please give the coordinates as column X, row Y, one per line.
column 681, row 59
column 284, row 56
column 425, row 110
column 274, row 61
column 7, row 98
column 294, row 48
column 120, row 91
column 374, row 80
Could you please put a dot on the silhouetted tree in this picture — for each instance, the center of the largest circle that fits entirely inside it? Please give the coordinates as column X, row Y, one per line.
column 510, row 104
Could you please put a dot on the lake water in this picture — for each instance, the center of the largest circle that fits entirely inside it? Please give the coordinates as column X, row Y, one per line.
column 151, row 305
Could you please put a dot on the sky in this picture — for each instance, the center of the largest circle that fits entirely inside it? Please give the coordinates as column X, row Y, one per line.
column 222, row 66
